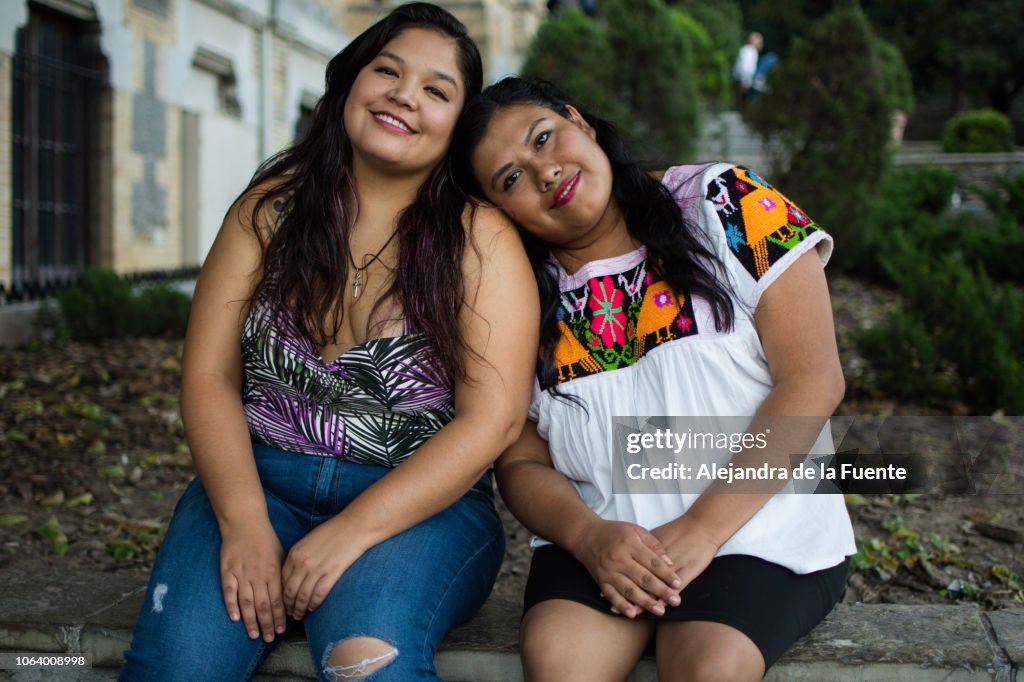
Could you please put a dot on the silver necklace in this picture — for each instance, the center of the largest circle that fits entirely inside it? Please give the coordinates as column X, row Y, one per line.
column 357, row 280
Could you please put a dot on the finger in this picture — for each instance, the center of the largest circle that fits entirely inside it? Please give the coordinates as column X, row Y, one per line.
column 264, row 613
column 620, row 605
column 289, row 587
column 655, row 586
column 277, row 606
column 321, row 590
column 247, row 602
column 640, row 597
column 229, row 588
column 302, row 596
column 656, row 559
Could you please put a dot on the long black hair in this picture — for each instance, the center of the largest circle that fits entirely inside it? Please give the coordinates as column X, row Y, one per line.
column 306, row 254
column 675, row 252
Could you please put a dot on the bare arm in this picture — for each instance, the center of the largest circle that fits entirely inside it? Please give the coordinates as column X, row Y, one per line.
column 500, row 323
column 211, row 408
column 794, row 321
column 627, row 562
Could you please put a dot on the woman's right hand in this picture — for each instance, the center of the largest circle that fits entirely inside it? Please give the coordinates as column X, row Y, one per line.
column 630, row 566
column 250, row 577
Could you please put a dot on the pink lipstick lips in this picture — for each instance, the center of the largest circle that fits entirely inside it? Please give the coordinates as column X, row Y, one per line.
column 566, row 191
column 392, row 122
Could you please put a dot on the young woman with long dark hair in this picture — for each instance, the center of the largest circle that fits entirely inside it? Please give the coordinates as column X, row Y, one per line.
column 358, row 355
column 696, row 292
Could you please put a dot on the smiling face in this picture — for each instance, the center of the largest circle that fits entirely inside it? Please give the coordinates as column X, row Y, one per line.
column 402, row 107
column 548, row 173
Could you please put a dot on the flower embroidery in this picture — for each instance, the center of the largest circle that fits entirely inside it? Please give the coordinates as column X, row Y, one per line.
column 685, row 322
column 662, row 299
column 560, row 314
column 797, row 218
column 609, row 317
column 742, row 187
column 767, row 203
column 648, row 279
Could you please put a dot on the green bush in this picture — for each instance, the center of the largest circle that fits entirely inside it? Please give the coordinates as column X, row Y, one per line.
column 896, row 84
column 978, row 131
column 103, row 306
column 98, row 308
column 904, row 360
column 1006, row 199
column 571, row 51
column 828, row 124
column 713, row 67
column 633, row 68
column 161, row 311
column 957, row 329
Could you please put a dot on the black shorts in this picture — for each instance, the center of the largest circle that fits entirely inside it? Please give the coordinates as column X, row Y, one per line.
column 770, row 604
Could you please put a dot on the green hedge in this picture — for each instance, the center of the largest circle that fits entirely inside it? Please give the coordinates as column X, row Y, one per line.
column 103, row 306
column 978, row 131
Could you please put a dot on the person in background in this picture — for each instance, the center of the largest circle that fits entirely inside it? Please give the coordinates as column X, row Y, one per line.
column 359, row 352
column 745, row 68
column 695, row 292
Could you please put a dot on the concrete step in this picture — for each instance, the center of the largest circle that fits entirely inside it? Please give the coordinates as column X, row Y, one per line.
column 43, row 609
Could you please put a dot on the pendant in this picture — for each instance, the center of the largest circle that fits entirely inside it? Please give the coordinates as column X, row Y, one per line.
column 357, row 283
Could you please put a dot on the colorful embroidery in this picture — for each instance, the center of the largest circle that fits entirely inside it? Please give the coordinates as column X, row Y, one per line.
column 614, row 320
column 761, row 225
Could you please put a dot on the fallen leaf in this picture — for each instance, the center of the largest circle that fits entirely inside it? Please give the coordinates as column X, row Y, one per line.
column 12, row 519
column 53, row 500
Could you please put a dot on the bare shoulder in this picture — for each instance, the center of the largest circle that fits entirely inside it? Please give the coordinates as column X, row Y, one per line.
column 490, row 232
column 259, row 207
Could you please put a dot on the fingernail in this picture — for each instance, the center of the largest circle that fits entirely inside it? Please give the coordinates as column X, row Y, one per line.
column 253, row 634
column 269, row 637
column 677, row 583
column 667, row 559
column 674, row 600
column 616, row 611
column 659, row 610
column 233, row 617
column 279, row 629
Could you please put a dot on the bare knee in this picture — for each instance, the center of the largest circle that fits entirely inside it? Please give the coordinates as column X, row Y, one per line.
column 357, row 657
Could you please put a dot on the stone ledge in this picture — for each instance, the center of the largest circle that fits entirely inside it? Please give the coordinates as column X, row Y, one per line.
column 93, row 614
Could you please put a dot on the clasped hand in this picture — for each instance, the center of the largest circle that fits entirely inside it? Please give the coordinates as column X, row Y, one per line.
column 630, row 566
column 260, row 585
column 638, row 569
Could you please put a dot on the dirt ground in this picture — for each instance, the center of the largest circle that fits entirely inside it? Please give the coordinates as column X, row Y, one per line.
column 92, row 459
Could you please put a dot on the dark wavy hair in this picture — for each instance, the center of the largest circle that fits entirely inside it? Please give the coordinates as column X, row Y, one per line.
column 306, row 255
column 675, row 252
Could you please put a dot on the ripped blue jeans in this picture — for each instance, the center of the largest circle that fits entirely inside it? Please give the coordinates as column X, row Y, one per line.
column 407, row 591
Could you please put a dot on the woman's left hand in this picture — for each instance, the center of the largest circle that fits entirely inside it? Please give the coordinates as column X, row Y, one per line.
column 314, row 564
column 690, row 546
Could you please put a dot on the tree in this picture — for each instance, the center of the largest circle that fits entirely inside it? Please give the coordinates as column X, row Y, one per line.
column 572, row 52
column 827, row 121
column 633, row 69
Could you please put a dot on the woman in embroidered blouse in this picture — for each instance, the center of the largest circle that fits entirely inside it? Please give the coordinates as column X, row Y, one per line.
column 699, row 293
column 357, row 356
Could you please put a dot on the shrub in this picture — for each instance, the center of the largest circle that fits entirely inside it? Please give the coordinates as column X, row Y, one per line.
column 1006, row 199
column 828, row 125
column 632, row 69
column 103, row 306
column 571, row 51
column 896, row 84
column 908, row 202
column 953, row 312
column 161, row 311
column 98, row 308
column 903, row 358
column 978, row 131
